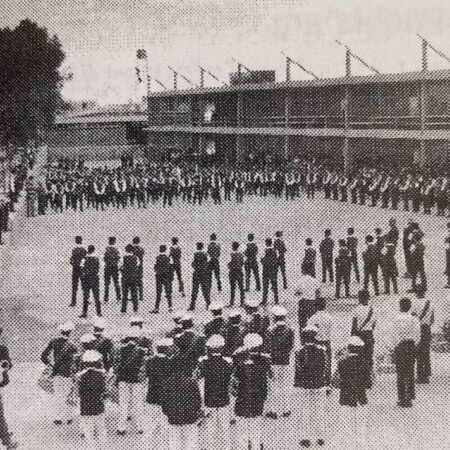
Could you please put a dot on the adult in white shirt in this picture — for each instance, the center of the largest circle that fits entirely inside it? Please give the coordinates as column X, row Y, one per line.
column 405, row 338
column 323, row 321
column 308, row 289
column 363, row 326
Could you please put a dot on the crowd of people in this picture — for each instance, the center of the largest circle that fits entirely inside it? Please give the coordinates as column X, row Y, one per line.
column 71, row 185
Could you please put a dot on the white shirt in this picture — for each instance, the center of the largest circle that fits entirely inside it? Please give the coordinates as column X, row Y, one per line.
column 406, row 327
column 307, row 287
column 361, row 313
column 421, row 308
column 324, row 322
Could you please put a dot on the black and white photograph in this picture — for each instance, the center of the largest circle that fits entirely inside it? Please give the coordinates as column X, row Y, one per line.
column 224, row 224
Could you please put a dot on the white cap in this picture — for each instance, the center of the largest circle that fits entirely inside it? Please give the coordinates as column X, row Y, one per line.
column 136, row 320
column 177, row 315
column 216, row 306
column 67, row 326
column 91, row 356
column 355, row 341
column 253, row 302
column 310, row 328
column 253, row 340
column 279, row 311
column 187, row 317
column 86, row 338
column 164, row 342
column 235, row 313
column 215, row 341
column 99, row 322
column 132, row 332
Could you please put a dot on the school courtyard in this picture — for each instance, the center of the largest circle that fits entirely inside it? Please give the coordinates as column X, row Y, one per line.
column 35, row 291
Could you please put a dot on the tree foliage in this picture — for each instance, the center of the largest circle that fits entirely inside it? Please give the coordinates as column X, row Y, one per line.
column 30, row 81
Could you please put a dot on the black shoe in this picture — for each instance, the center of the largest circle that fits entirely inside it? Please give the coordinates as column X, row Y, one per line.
column 272, row 415
column 191, row 309
column 320, row 442
column 305, row 443
column 286, row 414
column 423, row 381
column 69, row 422
column 155, row 311
column 404, row 404
column 121, row 432
column 83, row 316
column 57, row 422
column 72, row 305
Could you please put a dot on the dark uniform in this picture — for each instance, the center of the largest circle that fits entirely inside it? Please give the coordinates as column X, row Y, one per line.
column 270, row 274
column 105, row 347
column 139, row 252
column 78, row 254
column 91, row 283
column 309, row 262
column 214, row 263
column 200, row 277
column 251, row 265
column 343, row 268
column 326, row 253
column 130, row 278
column 175, row 254
column 352, row 245
column 370, row 258
column 236, row 276
column 164, row 278
column 389, row 268
column 111, row 259
column 280, row 247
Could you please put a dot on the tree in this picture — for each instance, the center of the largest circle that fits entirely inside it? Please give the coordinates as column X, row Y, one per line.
column 30, row 81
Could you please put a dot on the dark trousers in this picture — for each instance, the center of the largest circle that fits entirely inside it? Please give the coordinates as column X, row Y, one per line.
column 327, row 346
column 140, row 286
column 423, row 354
column 306, row 309
column 177, row 272
column 282, row 265
column 405, row 356
column 423, row 278
column 91, row 284
column 76, row 280
column 236, row 280
column 214, row 267
column 390, row 278
column 354, row 265
column 166, row 284
column 271, row 279
column 112, row 274
column 342, row 277
column 251, row 267
column 367, row 355
column 5, row 437
column 200, row 281
column 371, row 274
column 129, row 288
column 327, row 268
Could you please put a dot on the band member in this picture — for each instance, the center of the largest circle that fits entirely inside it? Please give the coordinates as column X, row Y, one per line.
column 91, row 282
column 374, row 189
column 343, row 183
column 280, row 247
column 385, row 191
column 442, row 192
column 236, row 273
column 405, row 193
column 200, row 276
column 343, row 269
column 326, row 253
column 164, row 278
column 388, row 266
column 139, row 252
column 395, row 192
column 111, row 260
column 417, row 255
column 251, row 263
column 353, row 186
column 309, row 260
column 371, row 263
column 270, row 266
column 326, row 184
column 214, row 261
column 352, row 245
column 175, row 254
column 78, row 254
column 130, row 278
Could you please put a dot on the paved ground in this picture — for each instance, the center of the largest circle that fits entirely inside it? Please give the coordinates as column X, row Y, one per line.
column 35, row 292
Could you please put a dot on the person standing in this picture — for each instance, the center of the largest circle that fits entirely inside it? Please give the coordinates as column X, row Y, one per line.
column 5, row 436
column 343, row 269
column 425, row 313
column 234, row 332
column 404, row 340
column 363, row 326
column 60, row 356
column 392, row 236
column 251, row 263
column 310, row 381
column 164, row 278
column 326, row 253
column 308, row 290
column 216, row 371
column 352, row 396
column 250, row 386
column 91, row 281
column 371, row 261
column 103, row 344
column 130, row 276
column 270, row 272
column 280, row 342
column 280, row 247
column 309, row 260
column 111, row 260
column 214, row 261
column 388, row 266
column 352, row 245
column 417, row 261
column 139, row 252
column 78, row 254
column 175, row 254
column 91, row 384
column 129, row 368
column 236, row 274
column 217, row 323
column 407, row 233
column 200, row 276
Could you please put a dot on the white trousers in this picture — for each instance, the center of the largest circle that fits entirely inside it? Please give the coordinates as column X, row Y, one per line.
column 62, row 387
column 183, row 437
column 131, row 404
column 218, row 428
column 155, row 427
column 278, row 395
column 94, row 430
column 249, row 432
column 353, row 426
column 311, row 414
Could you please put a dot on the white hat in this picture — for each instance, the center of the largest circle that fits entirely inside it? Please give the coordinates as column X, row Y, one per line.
column 86, row 338
column 67, row 326
column 136, row 320
column 253, row 340
column 216, row 306
column 187, row 317
column 311, row 328
column 132, row 332
column 164, row 342
column 99, row 322
column 235, row 313
column 279, row 311
column 355, row 341
column 215, row 341
column 91, row 356
column 177, row 315
column 253, row 302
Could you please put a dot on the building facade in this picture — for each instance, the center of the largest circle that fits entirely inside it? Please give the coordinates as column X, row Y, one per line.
column 395, row 119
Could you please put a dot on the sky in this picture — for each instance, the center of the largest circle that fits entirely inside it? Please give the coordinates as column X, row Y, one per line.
column 100, row 38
